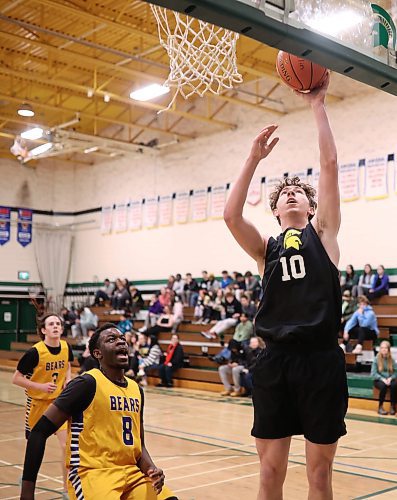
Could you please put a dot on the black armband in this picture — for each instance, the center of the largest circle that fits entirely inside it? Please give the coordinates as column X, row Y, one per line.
column 35, row 448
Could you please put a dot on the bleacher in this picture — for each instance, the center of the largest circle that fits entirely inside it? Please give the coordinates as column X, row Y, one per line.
column 201, row 373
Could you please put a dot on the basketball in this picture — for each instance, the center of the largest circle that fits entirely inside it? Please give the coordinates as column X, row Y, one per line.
column 298, row 73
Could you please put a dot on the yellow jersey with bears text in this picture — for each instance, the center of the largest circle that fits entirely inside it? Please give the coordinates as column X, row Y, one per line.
column 50, row 368
column 108, row 432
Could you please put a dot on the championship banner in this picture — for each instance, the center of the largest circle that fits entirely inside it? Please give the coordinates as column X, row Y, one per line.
column 5, row 225
column 375, row 186
column 254, row 195
column 268, row 187
column 151, row 212
column 106, row 219
column 135, row 215
column 182, row 207
column 199, row 205
column 302, row 175
column 120, row 217
column 24, row 229
column 165, row 210
column 349, row 181
column 218, row 198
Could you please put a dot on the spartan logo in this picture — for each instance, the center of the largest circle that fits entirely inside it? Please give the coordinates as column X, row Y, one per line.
column 384, row 28
column 292, row 239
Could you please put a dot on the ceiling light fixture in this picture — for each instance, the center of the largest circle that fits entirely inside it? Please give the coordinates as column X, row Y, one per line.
column 91, row 150
column 90, row 92
column 149, row 92
column 106, row 97
column 43, row 148
column 25, row 109
column 33, row 133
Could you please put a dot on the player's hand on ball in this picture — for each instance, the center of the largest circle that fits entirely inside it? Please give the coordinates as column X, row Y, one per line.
column 316, row 95
column 261, row 146
column 157, row 477
column 49, row 387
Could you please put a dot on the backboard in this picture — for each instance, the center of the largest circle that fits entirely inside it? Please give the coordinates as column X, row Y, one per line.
column 356, row 38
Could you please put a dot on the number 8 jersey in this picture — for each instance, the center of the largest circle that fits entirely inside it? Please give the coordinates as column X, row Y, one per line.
column 301, row 301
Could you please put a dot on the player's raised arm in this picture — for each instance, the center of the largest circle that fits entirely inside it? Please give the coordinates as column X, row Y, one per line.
column 244, row 232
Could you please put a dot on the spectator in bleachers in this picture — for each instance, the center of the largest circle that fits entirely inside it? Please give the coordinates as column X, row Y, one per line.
column 104, row 294
column 256, row 346
column 252, row 286
column 177, row 312
column 203, row 283
column 155, row 309
column 202, row 302
column 384, row 371
column 216, row 304
column 363, row 325
column 350, row 280
column 233, row 370
column 349, row 306
column 239, row 285
column 232, row 309
column 248, row 307
column 226, row 279
column 136, row 301
column 69, row 318
column 170, row 282
column 85, row 321
column 86, row 361
column 178, row 286
column 172, row 362
column 132, row 342
column 165, row 297
column 151, row 360
column 190, row 291
column 121, row 297
column 244, row 330
column 213, row 285
column 125, row 323
column 164, row 323
column 365, row 281
column 380, row 284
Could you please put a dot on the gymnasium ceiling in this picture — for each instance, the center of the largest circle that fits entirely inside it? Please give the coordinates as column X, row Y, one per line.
column 55, row 54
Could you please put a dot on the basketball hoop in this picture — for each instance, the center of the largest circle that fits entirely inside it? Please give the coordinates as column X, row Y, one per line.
column 202, row 56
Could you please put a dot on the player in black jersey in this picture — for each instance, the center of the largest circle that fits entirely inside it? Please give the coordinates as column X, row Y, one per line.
column 300, row 380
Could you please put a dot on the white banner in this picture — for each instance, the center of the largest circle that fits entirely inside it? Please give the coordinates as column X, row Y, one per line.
column 182, row 207
column 313, row 179
column 349, row 181
column 254, row 195
column 218, row 198
column 199, row 205
column 376, row 178
column 135, row 215
column 302, row 175
column 106, row 219
column 120, row 217
column 268, row 187
column 165, row 210
column 151, row 212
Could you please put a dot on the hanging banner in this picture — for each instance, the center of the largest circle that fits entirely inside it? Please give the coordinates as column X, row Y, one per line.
column 349, row 181
column 314, row 178
column 120, row 217
column 135, row 215
column 165, row 210
column 375, row 186
column 182, row 207
column 5, row 225
column 268, row 187
column 151, row 212
column 302, row 175
column 24, row 230
column 106, row 219
column 199, row 205
column 254, row 195
column 218, row 198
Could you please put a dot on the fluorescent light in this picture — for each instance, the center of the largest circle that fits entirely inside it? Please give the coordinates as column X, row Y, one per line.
column 149, row 92
column 90, row 92
column 335, row 23
column 25, row 109
column 106, row 97
column 91, row 150
column 33, row 133
column 41, row 149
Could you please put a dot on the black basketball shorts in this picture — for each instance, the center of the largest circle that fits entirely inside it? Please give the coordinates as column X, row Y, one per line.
column 301, row 392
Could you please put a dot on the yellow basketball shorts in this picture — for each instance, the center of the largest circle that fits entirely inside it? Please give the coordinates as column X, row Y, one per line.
column 123, row 482
column 35, row 408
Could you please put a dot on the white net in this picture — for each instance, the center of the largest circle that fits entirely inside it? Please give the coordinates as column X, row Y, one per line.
column 202, row 56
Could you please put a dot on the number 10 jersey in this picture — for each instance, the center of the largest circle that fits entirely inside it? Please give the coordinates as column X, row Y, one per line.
column 301, row 301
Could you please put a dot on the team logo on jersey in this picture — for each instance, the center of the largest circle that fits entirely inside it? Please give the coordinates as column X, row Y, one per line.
column 292, row 239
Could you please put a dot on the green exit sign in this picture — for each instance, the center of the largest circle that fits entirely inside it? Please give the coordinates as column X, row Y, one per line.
column 23, row 275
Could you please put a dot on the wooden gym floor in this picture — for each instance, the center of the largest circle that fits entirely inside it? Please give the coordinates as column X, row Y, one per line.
column 204, row 445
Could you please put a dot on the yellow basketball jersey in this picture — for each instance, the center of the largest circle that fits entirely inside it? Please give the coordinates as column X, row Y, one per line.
column 50, row 368
column 108, row 432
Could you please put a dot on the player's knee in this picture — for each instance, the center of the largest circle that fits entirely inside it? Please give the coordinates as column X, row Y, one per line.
column 319, row 476
column 270, row 475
